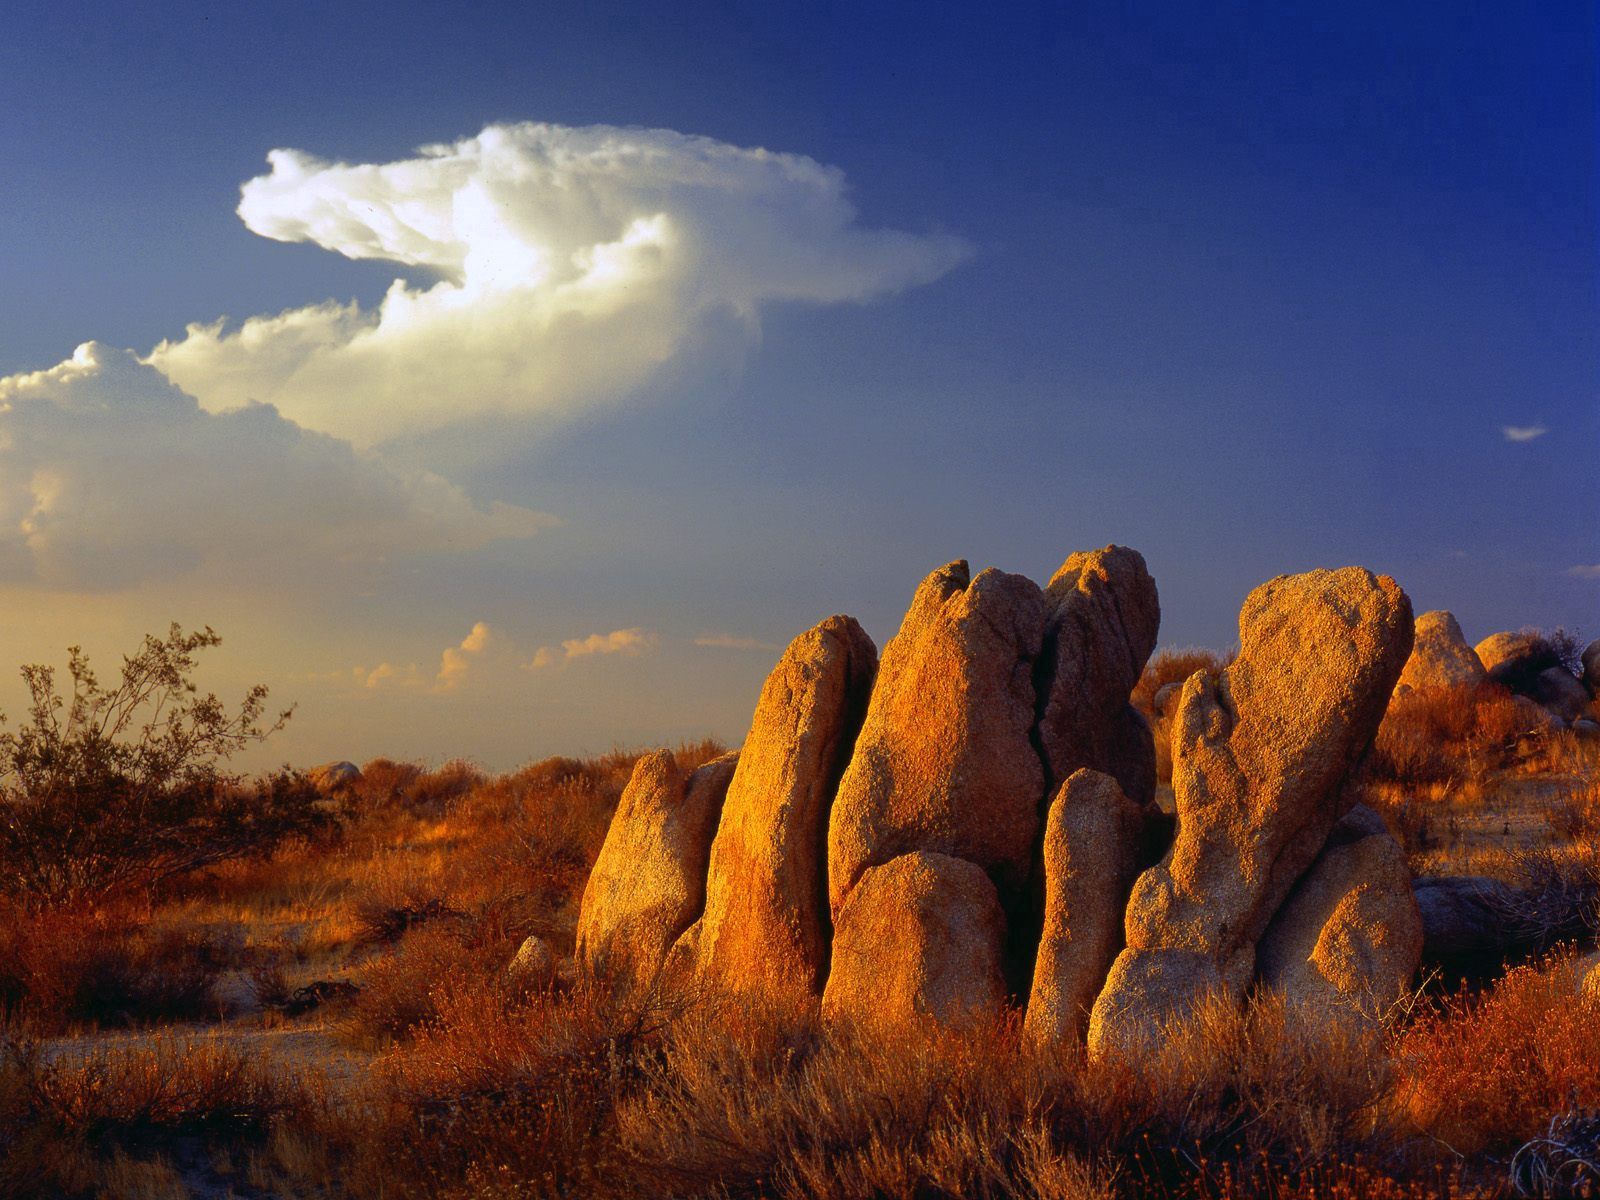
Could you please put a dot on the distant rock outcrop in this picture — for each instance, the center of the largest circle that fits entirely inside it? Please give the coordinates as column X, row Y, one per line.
column 1261, row 756
column 917, row 938
column 1104, row 615
column 945, row 760
column 1440, row 656
column 1349, row 935
column 1091, row 856
column 334, row 776
column 766, row 923
column 649, row 883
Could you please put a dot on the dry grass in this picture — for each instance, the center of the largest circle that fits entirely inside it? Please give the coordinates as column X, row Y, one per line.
column 459, row 1085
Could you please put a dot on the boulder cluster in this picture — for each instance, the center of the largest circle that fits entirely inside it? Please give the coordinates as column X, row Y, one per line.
column 1527, row 663
column 971, row 822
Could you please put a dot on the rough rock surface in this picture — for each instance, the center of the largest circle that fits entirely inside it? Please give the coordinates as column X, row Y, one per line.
column 1166, row 696
column 1440, row 655
column 944, row 761
column 1591, row 668
column 1260, row 758
column 1091, row 857
column 1515, row 659
column 918, row 937
column 1561, row 694
column 1104, row 615
column 533, row 966
column 649, row 883
column 1349, row 933
column 1463, row 922
column 766, row 924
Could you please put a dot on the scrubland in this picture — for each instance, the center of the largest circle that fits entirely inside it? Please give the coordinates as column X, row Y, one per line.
column 331, row 1015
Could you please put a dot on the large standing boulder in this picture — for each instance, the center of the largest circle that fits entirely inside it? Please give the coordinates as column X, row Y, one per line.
column 649, row 883
column 1440, row 656
column 1591, row 668
column 1104, row 616
column 1562, row 696
column 1260, row 756
column 1349, row 935
column 1092, row 839
column 945, row 761
column 917, row 938
column 1515, row 660
column 766, row 924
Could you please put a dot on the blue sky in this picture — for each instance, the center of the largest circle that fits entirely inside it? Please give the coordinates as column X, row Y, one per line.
column 1250, row 287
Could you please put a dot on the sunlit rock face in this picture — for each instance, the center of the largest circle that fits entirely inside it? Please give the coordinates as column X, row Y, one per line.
column 918, row 938
column 887, row 839
column 766, row 926
column 1261, row 755
column 1440, row 656
column 649, row 883
column 1092, row 840
column 946, row 760
column 1349, row 937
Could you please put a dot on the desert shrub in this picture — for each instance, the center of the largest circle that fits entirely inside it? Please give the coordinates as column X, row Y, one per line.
column 85, row 1125
column 403, row 989
column 108, row 787
column 1485, row 1072
column 1436, row 735
column 107, row 966
column 1574, row 811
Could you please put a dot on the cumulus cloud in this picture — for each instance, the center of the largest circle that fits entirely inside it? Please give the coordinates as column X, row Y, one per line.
column 730, row 641
column 456, row 661
column 109, row 475
column 1522, row 433
column 563, row 267
column 618, row 641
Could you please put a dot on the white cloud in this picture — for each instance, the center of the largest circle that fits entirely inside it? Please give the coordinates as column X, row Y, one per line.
column 730, row 641
column 1585, row 571
column 618, row 641
column 568, row 265
column 110, row 475
column 456, row 661
column 1523, row 433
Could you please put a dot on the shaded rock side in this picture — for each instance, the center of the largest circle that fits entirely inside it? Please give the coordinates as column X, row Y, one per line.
column 1104, row 616
column 1515, row 659
column 945, row 760
column 766, row 925
column 1260, row 754
column 1350, row 933
column 1440, row 655
column 918, row 938
column 1561, row 694
column 1591, row 668
column 1092, row 840
column 649, row 883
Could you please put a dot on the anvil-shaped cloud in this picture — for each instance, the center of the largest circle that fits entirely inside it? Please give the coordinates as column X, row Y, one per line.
column 567, row 265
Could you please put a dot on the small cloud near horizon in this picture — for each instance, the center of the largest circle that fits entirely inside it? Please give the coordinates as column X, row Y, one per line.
column 1585, row 571
column 1523, row 433
column 628, row 642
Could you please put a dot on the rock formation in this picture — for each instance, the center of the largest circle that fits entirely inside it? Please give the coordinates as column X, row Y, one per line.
column 1591, row 668
column 1104, row 615
column 1561, row 695
column 1440, row 656
column 1349, row 935
column 1260, row 759
column 917, row 938
column 334, row 776
column 533, row 967
column 1091, row 856
column 766, row 923
column 945, row 761
column 649, row 883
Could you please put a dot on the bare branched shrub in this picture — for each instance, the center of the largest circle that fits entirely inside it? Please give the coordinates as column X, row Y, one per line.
column 105, row 787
